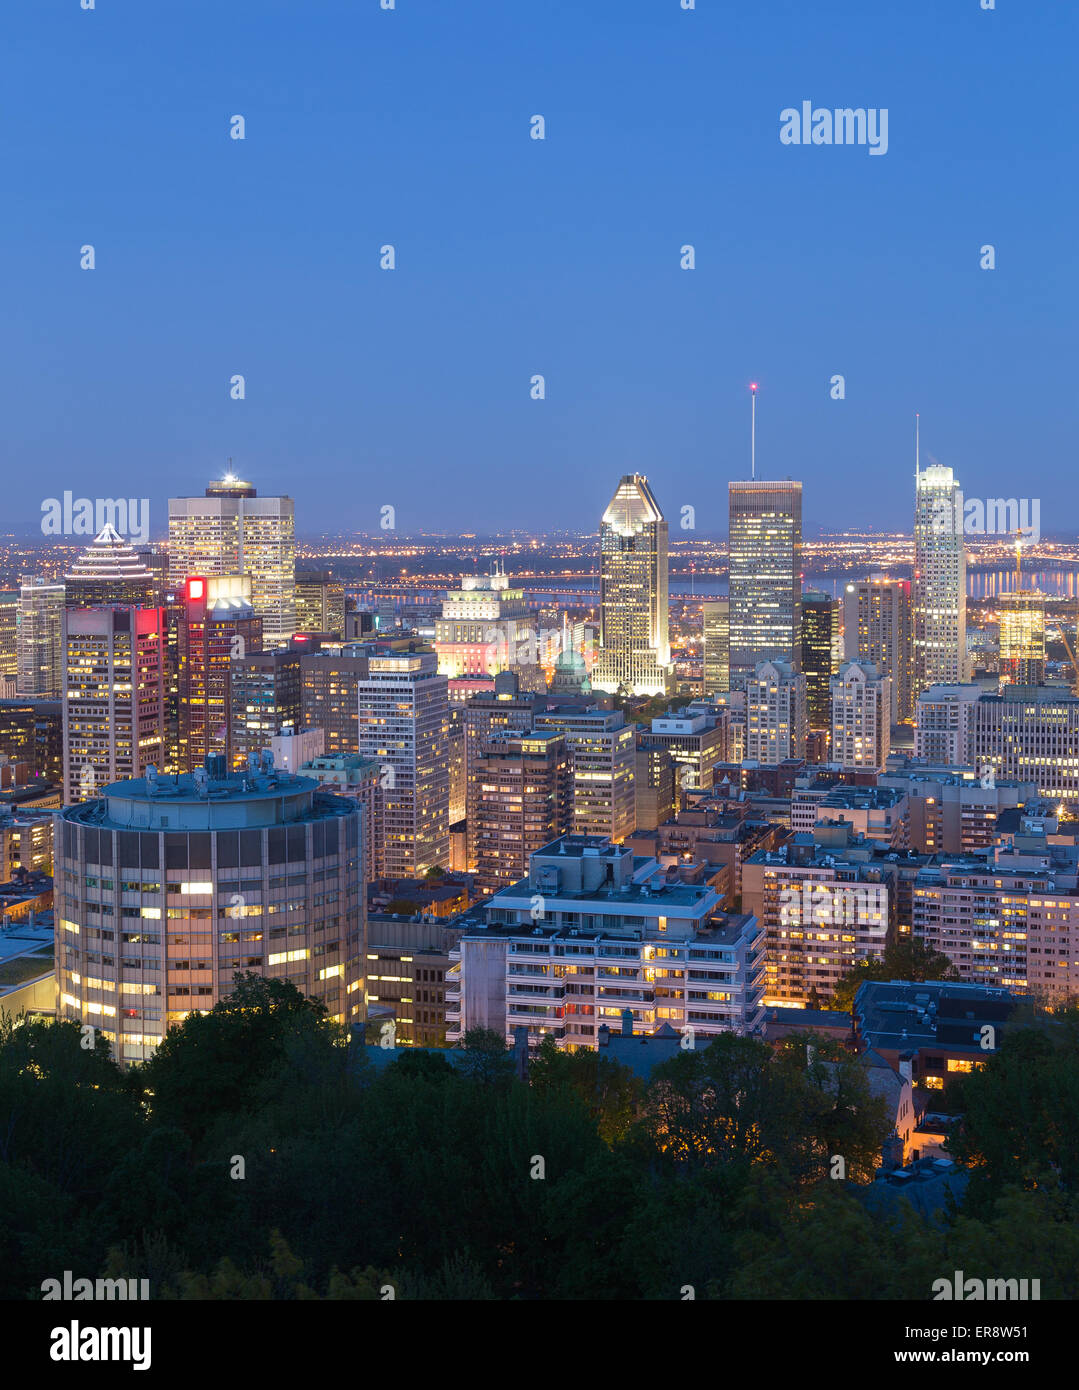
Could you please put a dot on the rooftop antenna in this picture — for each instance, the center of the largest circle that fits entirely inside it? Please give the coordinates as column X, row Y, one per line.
column 753, row 431
column 917, row 446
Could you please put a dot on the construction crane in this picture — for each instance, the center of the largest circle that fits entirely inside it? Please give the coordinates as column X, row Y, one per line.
column 1063, row 635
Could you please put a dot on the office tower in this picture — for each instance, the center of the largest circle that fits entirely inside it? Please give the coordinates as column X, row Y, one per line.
column 942, row 724
column 320, row 603
column 114, row 706
column 1028, row 733
column 485, row 627
column 455, row 752
column 775, row 713
column 155, row 558
column 216, row 875
column 717, row 645
column 765, row 576
column 940, row 581
column 634, row 653
column 820, row 654
column 879, row 628
column 615, row 935
column 861, row 700
column 38, row 641
column 654, row 790
column 1022, row 637
column 9, row 629
column 821, row 912
column 603, row 761
column 697, row 742
column 216, row 624
column 32, row 731
column 231, row 530
column 520, row 802
column 329, row 682
column 109, row 571
column 264, row 699
column 403, row 717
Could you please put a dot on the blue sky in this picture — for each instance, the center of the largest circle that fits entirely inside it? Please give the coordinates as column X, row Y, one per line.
column 367, row 387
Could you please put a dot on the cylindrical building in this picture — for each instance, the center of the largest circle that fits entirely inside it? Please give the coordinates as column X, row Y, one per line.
column 166, row 886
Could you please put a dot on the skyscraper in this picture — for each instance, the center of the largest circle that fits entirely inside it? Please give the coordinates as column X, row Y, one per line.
column 519, row 801
column 114, row 705
column 1022, row 637
column 716, row 625
column 264, row 699
column 231, row 530
column 320, row 603
column 403, row 716
column 38, row 640
column 109, row 570
column 820, row 655
column 940, row 581
column 634, row 653
column 878, row 627
column 765, row 576
column 216, row 624
column 603, row 764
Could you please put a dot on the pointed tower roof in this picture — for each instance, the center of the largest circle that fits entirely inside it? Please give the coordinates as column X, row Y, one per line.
column 109, row 557
column 632, row 506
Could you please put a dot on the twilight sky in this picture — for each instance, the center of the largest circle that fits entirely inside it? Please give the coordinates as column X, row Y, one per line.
column 516, row 257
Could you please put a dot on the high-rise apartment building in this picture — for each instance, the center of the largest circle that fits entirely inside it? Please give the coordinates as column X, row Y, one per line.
column 942, row 724
column 320, row 603
column 216, row 623
column 1022, row 637
column 109, row 570
column 697, row 742
column 940, row 581
column 879, row 627
column 765, row 576
column 615, row 936
column 114, row 705
column 519, row 802
column 39, row 639
column 403, row 717
column 654, row 797
column 165, row 889
column 716, row 625
column 634, row 652
column 820, row 654
column 776, row 723
column 603, row 760
column 861, row 700
column 231, row 530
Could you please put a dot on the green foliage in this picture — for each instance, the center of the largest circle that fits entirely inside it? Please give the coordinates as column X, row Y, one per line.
column 906, row 957
column 258, row 1157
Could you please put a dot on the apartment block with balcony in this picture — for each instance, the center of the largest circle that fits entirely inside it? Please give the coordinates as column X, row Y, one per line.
column 594, row 932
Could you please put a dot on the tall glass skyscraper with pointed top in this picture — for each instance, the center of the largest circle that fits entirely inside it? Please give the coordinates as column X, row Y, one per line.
column 634, row 654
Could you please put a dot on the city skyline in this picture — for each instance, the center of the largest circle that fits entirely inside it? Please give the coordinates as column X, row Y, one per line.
column 218, row 257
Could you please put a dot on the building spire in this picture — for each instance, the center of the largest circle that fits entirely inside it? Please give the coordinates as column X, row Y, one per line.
column 753, row 431
column 917, row 446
